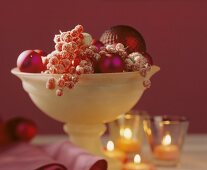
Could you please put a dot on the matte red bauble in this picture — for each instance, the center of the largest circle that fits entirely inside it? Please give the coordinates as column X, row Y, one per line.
column 21, row 129
column 26, row 130
column 30, row 61
column 4, row 137
column 111, row 63
column 128, row 36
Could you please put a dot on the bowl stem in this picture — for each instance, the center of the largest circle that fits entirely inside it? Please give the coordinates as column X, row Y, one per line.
column 88, row 138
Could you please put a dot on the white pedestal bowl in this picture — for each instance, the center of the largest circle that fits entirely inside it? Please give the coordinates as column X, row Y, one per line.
column 95, row 100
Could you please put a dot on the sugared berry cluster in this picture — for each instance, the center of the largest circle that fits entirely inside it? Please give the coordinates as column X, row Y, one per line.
column 72, row 57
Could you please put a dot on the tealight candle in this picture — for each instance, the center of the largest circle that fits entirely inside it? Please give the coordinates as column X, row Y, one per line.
column 166, row 151
column 126, row 143
column 138, row 165
column 114, row 153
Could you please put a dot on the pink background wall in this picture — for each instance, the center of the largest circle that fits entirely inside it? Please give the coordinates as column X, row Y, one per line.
column 175, row 32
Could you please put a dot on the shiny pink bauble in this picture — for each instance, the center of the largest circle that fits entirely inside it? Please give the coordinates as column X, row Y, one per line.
column 128, row 36
column 30, row 61
column 98, row 44
column 111, row 63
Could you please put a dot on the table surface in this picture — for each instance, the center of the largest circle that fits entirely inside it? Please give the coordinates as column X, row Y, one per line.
column 194, row 156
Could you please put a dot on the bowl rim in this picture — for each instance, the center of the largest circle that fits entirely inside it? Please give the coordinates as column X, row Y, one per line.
column 16, row 71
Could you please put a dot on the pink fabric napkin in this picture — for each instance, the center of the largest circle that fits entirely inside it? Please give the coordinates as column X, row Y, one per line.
column 73, row 157
column 57, row 156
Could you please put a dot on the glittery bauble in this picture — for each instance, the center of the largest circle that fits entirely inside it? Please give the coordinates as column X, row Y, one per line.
column 30, row 61
column 128, row 36
column 111, row 63
column 148, row 57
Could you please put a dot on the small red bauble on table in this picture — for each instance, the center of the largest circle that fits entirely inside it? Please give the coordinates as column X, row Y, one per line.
column 4, row 137
column 21, row 129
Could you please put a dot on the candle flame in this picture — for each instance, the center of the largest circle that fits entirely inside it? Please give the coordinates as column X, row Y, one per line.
column 127, row 133
column 137, row 159
column 110, row 146
column 166, row 140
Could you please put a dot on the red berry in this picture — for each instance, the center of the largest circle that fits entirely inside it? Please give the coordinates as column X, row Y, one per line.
column 30, row 61
column 76, row 61
column 21, row 129
column 111, row 63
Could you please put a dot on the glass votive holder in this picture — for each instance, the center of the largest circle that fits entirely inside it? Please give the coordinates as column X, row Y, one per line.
column 137, row 162
column 166, row 135
column 126, row 132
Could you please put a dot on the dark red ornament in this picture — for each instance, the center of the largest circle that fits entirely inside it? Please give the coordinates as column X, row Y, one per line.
column 21, row 129
column 97, row 43
column 148, row 57
column 95, row 63
column 128, row 36
column 4, row 137
column 111, row 63
column 30, row 61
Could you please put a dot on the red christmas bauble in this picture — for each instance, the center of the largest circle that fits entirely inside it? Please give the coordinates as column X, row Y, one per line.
column 110, row 63
column 97, row 43
column 4, row 137
column 21, row 129
column 30, row 61
column 148, row 57
column 128, row 36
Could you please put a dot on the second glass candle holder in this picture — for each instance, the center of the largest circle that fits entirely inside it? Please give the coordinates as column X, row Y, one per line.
column 166, row 137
